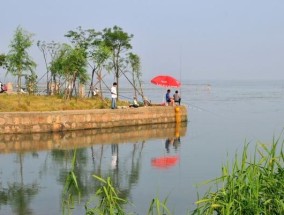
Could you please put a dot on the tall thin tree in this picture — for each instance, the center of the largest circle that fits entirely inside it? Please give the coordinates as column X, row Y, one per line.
column 118, row 42
column 135, row 65
column 19, row 62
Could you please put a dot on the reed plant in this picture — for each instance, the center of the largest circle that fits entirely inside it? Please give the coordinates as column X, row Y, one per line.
column 250, row 186
column 158, row 207
column 108, row 202
column 105, row 201
column 70, row 187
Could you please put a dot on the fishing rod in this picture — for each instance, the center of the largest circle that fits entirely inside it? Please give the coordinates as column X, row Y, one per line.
column 137, row 90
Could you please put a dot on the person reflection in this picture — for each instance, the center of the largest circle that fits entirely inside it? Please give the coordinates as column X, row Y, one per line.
column 114, row 156
column 173, row 141
column 176, row 143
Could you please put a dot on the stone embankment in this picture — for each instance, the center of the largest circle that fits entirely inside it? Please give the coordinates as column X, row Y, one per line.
column 36, row 122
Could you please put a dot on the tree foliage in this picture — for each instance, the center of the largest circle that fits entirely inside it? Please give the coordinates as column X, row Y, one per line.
column 97, row 54
column 70, row 64
column 2, row 60
column 49, row 51
column 19, row 63
column 118, row 43
column 135, row 65
column 102, row 52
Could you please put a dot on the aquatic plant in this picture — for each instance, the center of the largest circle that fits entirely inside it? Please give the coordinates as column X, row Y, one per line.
column 250, row 185
column 108, row 201
column 105, row 201
column 71, row 186
column 158, row 207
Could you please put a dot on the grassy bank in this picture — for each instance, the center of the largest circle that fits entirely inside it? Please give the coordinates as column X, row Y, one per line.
column 250, row 185
column 15, row 102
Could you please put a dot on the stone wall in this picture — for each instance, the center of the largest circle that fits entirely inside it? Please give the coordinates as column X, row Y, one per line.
column 35, row 122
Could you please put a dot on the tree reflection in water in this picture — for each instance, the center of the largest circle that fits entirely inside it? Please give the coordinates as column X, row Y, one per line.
column 18, row 194
column 98, row 152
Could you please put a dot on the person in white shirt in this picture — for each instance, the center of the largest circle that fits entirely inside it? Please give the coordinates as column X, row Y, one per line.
column 113, row 91
column 177, row 97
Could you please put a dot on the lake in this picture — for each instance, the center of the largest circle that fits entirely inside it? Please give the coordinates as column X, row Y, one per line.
column 223, row 115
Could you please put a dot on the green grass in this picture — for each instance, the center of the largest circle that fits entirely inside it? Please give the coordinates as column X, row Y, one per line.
column 23, row 102
column 251, row 185
column 158, row 207
column 109, row 200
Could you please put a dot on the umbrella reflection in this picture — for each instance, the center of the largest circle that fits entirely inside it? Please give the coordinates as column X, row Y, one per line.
column 165, row 162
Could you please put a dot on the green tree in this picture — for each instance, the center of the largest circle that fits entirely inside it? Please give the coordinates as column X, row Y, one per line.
column 135, row 65
column 49, row 52
column 100, row 57
column 97, row 52
column 18, row 59
column 31, row 83
column 71, row 65
column 118, row 42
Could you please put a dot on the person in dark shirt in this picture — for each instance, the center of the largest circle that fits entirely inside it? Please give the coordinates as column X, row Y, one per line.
column 169, row 99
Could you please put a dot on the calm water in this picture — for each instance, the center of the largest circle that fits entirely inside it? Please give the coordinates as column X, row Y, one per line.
column 222, row 116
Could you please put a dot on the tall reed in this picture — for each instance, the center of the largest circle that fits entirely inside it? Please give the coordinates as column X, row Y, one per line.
column 158, row 207
column 250, row 186
column 70, row 187
column 109, row 202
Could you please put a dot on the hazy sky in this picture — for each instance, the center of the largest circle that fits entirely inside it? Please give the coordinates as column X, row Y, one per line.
column 201, row 39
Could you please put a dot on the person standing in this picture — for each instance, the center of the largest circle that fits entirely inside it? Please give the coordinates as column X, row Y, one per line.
column 113, row 91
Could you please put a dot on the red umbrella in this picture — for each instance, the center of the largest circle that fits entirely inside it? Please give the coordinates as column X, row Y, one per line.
column 165, row 161
column 165, row 81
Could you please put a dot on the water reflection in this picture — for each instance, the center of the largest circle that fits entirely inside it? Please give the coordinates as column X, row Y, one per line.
column 19, row 194
column 173, row 142
column 10, row 143
column 49, row 156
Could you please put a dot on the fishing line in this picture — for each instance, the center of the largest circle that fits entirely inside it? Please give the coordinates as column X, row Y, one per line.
column 202, row 109
column 125, row 97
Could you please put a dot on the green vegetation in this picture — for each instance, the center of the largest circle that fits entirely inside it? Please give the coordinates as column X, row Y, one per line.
column 108, row 202
column 2, row 60
column 16, row 102
column 70, row 64
column 70, row 187
column 158, row 207
column 18, row 60
column 252, row 186
column 92, row 55
column 255, row 185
